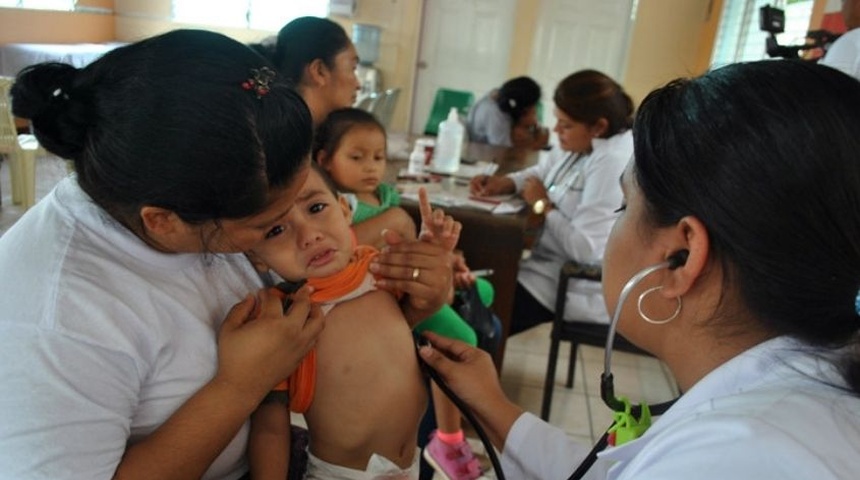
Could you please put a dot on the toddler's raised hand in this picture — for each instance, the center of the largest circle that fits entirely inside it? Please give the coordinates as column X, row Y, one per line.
column 437, row 227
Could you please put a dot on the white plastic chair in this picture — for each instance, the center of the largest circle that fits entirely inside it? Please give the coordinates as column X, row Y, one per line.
column 19, row 149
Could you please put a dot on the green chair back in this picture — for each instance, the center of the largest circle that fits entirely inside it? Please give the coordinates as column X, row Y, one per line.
column 442, row 103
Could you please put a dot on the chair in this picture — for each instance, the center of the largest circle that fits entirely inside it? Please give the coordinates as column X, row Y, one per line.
column 442, row 103
column 367, row 101
column 383, row 108
column 575, row 332
column 19, row 149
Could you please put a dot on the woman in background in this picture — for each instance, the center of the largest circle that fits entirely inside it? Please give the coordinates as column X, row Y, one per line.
column 317, row 57
column 574, row 191
column 508, row 116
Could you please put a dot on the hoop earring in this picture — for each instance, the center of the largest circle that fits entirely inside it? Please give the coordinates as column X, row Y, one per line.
column 651, row 320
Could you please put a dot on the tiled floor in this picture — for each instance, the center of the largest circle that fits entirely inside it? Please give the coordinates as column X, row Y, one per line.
column 579, row 411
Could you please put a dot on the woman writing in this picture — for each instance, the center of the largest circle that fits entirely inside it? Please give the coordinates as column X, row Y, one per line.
column 125, row 345
column 574, row 189
column 744, row 209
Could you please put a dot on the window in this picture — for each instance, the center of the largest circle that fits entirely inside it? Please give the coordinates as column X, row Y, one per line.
column 739, row 38
column 67, row 5
column 257, row 14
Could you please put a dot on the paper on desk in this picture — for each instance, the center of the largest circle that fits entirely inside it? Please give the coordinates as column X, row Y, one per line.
column 511, row 206
column 499, row 205
column 468, row 171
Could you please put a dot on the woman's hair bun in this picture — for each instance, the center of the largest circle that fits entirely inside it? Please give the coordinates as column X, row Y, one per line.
column 517, row 95
column 44, row 94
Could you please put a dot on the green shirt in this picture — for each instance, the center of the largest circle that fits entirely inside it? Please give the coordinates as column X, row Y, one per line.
column 388, row 197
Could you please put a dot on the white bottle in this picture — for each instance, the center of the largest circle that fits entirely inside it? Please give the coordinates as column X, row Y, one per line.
column 449, row 143
column 416, row 159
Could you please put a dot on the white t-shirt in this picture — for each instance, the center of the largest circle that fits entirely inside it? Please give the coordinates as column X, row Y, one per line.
column 102, row 338
column 844, row 54
column 487, row 123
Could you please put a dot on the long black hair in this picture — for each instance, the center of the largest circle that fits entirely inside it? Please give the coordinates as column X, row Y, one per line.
column 765, row 154
column 304, row 40
column 517, row 95
column 174, row 121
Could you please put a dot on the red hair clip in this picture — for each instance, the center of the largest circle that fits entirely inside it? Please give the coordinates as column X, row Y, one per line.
column 259, row 81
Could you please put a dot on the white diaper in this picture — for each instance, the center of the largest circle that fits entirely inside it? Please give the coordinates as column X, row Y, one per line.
column 378, row 468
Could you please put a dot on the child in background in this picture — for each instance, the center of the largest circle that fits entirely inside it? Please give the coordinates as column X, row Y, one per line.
column 351, row 146
column 367, row 394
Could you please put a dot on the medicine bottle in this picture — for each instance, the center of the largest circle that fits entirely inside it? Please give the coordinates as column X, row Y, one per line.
column 449, row 143
column 416, row 159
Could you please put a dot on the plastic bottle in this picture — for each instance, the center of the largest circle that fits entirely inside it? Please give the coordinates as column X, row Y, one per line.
column 417, row 159
column 449, row 143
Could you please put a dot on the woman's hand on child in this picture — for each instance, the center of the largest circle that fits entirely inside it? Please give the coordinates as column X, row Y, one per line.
column 255, row 355
column 436, row 226
column 421, row 270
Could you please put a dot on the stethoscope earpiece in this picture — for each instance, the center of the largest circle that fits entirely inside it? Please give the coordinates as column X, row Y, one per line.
column 678, row 259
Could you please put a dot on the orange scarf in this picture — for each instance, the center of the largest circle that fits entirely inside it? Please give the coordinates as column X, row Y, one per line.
column 346, row 280
column 302, row 382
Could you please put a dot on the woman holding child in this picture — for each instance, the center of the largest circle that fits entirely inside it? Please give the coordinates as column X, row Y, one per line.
column 126, row 346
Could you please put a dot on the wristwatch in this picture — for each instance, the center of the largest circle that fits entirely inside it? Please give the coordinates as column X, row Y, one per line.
column 539, row 207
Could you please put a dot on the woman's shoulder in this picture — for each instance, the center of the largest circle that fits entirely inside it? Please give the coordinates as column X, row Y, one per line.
column 617, row 149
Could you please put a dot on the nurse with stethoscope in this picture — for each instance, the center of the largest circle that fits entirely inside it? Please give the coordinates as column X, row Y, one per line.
column 734, row 260
column 574, row 191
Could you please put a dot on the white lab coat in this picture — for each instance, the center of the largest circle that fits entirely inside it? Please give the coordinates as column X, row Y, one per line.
column 844, row 54
column 586, row 197
column 771, row 412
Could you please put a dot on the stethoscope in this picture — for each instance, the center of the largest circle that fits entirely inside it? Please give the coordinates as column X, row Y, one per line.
column 607, row 387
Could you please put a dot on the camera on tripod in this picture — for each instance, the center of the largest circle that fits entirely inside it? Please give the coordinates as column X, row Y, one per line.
column 772, row 20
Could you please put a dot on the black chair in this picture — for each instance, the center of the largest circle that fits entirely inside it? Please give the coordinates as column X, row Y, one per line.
column 575, row 332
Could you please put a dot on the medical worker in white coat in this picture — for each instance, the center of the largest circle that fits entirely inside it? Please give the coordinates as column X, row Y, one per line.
column 574, row 191
column 759, row 198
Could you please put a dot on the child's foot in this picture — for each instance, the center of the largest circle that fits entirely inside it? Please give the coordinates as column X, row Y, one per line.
column 453, row 462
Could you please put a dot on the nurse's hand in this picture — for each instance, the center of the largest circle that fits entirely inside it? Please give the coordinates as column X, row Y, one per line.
column 258, row 350
column 486, row 185
column 471, row 374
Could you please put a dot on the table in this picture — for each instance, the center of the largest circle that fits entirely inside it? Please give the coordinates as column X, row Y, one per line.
column 487, row 240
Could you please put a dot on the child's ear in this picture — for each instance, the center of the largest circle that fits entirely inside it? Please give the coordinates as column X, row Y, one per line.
column 321, row 158
column 344, row 206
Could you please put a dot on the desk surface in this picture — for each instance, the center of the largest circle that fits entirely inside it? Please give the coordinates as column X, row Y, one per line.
column 487, row 240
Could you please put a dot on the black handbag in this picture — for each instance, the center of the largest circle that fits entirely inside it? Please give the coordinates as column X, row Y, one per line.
column 488, row 328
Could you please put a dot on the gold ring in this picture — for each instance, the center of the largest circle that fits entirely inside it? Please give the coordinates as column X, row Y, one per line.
column 415, row 272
